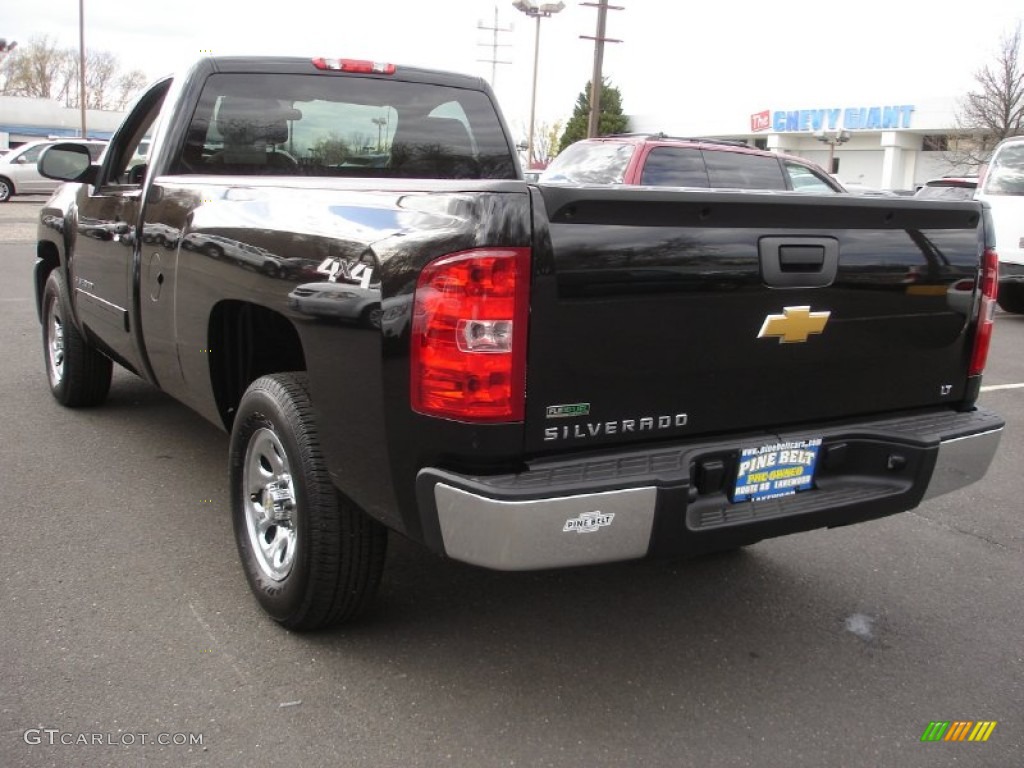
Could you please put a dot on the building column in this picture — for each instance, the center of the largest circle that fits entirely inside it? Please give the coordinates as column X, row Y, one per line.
column 783, row 142
column 894, row 162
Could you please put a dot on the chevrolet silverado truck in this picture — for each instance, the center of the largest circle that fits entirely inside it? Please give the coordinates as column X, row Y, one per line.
column 339, row 263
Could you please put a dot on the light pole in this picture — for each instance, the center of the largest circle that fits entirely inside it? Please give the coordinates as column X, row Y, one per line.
column 538, row 12
column 380, row 122
column 81, row 61
column 832, row 138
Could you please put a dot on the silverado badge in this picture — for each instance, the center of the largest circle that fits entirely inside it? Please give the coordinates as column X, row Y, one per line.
column 794, row 325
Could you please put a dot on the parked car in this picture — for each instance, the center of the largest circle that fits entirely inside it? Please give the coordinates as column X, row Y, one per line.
column 657, row 160
column 949, row 188
column 1003, row 189
column 18, row 172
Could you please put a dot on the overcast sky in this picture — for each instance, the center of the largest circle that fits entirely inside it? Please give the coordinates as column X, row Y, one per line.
column 706, row 57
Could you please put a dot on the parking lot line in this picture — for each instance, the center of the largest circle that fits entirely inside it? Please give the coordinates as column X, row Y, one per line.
column 994, row 387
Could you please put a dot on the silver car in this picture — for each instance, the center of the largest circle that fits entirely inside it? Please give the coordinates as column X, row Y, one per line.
column 18, row 172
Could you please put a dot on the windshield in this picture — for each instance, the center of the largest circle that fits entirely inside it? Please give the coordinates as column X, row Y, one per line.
column 1006, row 173
column 600, row 162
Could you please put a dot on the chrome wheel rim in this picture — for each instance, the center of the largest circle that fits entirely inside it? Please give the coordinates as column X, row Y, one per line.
column 54, row 344
column 269, row 504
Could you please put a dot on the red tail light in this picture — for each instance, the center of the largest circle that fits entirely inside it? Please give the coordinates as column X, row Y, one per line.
column 986, row 315
column 355, row 65
column 469, row 336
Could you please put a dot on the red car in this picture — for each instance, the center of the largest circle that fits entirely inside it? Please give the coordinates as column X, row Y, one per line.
column 663, row 161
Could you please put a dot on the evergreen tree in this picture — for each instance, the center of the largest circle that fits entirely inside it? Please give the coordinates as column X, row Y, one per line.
column 612, row 120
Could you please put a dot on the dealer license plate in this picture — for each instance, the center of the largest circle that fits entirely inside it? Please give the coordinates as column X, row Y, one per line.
column 775, row 470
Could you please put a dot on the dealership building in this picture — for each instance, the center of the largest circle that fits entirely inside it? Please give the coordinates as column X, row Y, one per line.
column 896, row 146
column 24, row 119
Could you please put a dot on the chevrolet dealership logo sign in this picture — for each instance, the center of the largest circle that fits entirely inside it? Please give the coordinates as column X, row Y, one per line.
column 794, row 325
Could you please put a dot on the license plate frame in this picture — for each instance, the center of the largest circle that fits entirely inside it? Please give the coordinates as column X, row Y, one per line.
column 775, row 470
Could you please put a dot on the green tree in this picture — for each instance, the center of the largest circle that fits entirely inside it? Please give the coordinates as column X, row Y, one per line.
column 612, row 120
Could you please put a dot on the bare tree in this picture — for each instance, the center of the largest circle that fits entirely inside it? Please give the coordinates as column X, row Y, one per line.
column 42, row 70
column 35, row 69
column 545, row 141
column 995, row 110
column 128, row 87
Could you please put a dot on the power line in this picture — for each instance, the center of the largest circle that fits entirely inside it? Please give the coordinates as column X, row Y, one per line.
column 494, row 45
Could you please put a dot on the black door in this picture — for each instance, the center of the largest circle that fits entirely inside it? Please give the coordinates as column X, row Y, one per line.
column 106, row 251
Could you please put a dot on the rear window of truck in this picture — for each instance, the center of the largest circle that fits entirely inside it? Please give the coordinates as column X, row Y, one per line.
column 312, row 125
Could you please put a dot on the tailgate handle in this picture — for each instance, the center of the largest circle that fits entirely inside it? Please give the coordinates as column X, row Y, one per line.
column 801, row 258
column 798, row 262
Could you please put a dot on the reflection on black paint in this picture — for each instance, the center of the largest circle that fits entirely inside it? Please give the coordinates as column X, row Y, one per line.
column 342, row 302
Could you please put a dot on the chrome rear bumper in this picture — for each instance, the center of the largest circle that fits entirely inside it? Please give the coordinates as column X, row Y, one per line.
column 629, row 505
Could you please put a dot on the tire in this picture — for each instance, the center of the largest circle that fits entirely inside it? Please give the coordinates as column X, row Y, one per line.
column 371, row 316
column 6, row 190
column 1011, row 298
column 312, row 558
column 78, row 373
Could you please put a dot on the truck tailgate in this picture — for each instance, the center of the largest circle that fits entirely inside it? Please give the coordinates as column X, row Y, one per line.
column 667, row 314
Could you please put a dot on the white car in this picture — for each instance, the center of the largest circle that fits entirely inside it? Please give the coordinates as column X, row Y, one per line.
column 1003, row 189
column 18, row 172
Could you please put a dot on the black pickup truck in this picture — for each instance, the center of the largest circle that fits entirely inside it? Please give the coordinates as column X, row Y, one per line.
column 339, row 263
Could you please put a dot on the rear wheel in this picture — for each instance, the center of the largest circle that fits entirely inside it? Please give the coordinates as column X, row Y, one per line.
column 78, row 373
column 312, row 558
column 6, row 190
column 1011, row 297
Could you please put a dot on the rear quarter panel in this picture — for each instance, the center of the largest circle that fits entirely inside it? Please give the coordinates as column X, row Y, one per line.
column 216, row 231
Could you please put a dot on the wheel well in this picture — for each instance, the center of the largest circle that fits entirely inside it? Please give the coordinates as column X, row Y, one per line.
column 49, row 260
column 248, row 341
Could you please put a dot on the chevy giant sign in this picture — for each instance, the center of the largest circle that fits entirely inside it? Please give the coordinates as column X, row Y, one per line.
column 833, row 119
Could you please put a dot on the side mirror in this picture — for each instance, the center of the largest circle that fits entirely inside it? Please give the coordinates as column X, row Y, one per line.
column 67, row 162
column 137, row 174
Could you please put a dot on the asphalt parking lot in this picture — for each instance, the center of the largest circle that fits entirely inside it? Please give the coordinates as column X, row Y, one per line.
column 127, row 620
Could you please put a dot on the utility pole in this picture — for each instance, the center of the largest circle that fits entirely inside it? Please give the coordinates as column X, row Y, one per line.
column 494, row 45
column 597, row 79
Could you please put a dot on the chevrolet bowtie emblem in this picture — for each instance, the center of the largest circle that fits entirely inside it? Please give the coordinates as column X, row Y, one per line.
column 794, row 325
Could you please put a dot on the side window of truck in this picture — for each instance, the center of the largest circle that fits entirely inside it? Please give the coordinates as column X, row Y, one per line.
column 674, row 167
column 737, row 170
column 310, row 125
column 123, row 166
